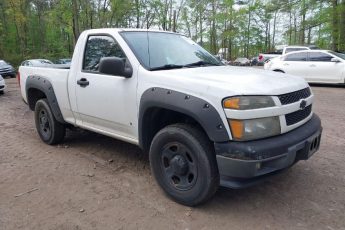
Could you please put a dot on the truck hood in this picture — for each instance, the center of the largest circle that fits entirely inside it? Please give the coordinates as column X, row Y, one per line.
column 233, row 80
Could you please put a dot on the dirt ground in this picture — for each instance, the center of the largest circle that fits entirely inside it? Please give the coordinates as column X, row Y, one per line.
column 95, row 182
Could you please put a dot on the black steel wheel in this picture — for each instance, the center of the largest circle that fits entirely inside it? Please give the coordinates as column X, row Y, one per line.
column 179, row 165
column 44, row 123
column 183, row 163
column 49, row 129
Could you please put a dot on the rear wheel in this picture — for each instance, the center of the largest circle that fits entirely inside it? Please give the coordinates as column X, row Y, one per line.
column 49, row 129
column 184, row 164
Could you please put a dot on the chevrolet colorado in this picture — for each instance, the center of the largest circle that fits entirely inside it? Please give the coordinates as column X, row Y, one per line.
column 203, row 124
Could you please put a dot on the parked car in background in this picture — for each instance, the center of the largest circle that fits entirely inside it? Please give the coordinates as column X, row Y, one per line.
column 37, row 62
column 225, row 62
column 2, row 85
column 6, row 69
column 289, row 49
column 241, row 62
column 256, row 62
column 264, row 57
column 66, row 61
column 316, row 66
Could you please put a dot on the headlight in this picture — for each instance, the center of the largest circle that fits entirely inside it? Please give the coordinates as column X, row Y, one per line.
column 248, row 102
column 245, row 130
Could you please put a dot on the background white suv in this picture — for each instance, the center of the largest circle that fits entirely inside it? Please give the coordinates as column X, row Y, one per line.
column 318, row 66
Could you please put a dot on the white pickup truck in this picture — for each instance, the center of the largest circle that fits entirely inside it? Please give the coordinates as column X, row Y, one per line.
column 202, row 123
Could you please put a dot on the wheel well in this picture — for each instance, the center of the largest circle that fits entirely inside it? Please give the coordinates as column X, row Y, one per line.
column 157, row 118
column 33, row 96
column 278, row 70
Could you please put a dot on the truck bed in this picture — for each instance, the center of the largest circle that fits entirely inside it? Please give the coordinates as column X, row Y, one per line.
column 57, row 75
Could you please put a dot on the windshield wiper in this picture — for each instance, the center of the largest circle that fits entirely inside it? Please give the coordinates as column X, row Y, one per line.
column 167, row 66
column 173, row 66
column 200, row 63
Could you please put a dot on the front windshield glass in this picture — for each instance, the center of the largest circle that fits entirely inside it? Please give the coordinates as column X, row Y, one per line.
column 3, row 63
column 158, row 51
column 339, row 55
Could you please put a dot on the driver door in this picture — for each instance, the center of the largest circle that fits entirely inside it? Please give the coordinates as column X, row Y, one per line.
column 105, row 103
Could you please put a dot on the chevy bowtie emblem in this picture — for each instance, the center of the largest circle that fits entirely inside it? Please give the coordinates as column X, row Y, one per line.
column 302, row 105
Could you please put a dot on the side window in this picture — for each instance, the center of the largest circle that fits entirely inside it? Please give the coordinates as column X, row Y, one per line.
column 296, row 57
column 319, row 56
column 288, row 50
column 98, row 47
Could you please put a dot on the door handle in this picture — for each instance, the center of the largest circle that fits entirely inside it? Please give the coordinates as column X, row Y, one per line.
column 83, row 82
column 286, row 64
column 312, row 65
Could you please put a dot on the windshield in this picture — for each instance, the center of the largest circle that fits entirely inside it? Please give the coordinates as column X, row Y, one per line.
column 158, row 51
column 3, row 63
column 339, row 55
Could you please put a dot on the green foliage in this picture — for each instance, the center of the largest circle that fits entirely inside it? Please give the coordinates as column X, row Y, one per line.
column 49, row 28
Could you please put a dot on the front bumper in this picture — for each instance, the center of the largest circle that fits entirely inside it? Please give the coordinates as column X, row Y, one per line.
column 11, row 73
column 242, row 164
column 2, row 85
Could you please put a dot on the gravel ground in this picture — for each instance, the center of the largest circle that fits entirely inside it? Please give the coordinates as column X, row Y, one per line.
column 95, row 182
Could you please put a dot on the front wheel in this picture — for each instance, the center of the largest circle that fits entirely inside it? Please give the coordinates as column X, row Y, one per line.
column 49, row 129
column 184, row 164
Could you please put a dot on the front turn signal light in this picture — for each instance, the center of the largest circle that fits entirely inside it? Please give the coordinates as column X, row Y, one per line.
column 232, row 103
column 236, row 128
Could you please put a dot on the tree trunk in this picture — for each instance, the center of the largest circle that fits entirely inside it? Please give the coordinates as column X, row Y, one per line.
column 290, row 25
column 302, row 31
column 309, row 35
column 335, row 25
column 274, row 28
column 75, row 21
column 342, row 27
column 200, row 26
column 137, row 8
column 248, row 32
column 295, row 29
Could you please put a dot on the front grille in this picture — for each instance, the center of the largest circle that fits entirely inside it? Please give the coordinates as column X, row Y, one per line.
column 295, row 117
column 294, row 96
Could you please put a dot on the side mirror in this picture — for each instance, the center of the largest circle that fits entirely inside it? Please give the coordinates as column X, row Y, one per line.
column 336, row 60
column 115, row 66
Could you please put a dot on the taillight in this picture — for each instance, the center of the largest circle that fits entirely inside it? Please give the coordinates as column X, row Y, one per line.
column 18, row 78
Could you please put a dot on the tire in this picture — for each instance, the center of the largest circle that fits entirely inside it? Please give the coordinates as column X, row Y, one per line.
column 49, row 129
column 183, row 163
column 2, row 92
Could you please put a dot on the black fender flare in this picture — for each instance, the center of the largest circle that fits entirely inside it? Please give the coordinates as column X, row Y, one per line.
column 44, row 85
column 200, row 110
